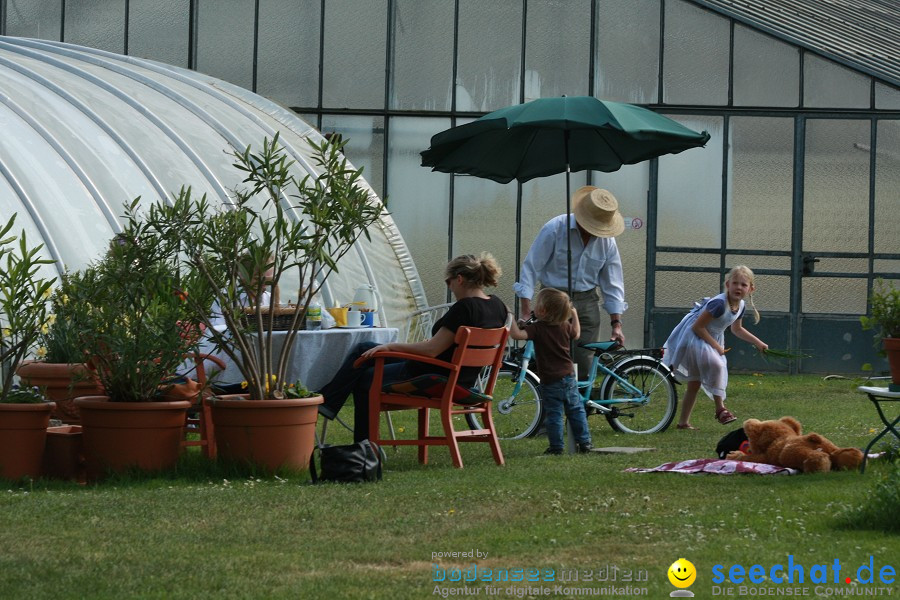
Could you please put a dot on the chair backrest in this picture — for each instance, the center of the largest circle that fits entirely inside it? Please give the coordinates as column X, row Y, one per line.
column 418, row 327
column 476, row 347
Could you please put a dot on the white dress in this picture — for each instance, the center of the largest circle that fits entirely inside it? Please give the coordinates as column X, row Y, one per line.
column 690, row 357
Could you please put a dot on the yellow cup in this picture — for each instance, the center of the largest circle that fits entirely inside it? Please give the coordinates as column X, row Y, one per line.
column 340, row 315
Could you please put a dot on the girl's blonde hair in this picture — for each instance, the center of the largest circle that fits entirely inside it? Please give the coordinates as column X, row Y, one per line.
column 746, row 272
column 477, row 271
column 554, row 304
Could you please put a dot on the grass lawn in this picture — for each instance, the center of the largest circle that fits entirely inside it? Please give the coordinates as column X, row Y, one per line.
column 202, row 532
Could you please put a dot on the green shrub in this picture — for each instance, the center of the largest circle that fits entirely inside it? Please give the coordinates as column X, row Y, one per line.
column 880, row 508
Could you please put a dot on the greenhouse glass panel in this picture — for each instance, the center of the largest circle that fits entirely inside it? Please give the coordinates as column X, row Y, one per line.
column 687, row 259
column 158, row 30
column 228, row 57
column 492, row 29
column 827, row 84
column 95, row 24
column 836, row 186
column 288, row 47
column 689, row 209
column 630, row 186
column 484, row 220
column 557, row 65
column 288, row 63
column 773, row 292
column 761, row 182
column 696, row 56
column 766, row 70
column 354, row 54
column 365, row 144
column 419, row 200
column 422, row 58
column 886, row 97
column 627, row 61
column 41, row 19
column 887, row 188
column 675, row 289
column 840, row 295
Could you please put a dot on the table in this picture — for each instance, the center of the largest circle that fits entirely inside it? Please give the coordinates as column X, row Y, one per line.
column 316, row 355
column 878, row 395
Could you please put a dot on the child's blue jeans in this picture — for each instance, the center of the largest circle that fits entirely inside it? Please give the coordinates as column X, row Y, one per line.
column 558, row 397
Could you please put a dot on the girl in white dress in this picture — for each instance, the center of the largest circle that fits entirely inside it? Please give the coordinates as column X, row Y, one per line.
column 695, row 350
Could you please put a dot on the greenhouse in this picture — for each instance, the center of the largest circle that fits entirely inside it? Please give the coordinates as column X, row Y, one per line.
column 106, row 101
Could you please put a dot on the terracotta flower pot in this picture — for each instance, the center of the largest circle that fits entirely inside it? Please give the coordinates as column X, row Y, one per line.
column 63, row 454
column 62, row 382
column 270, row 434
column 892, row 349
column 23, row 433
column 119, row 436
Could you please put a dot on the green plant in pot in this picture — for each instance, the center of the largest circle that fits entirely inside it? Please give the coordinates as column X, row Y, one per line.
column 134, row 326
column 24, row 413
column 276, row 227
column 884, row 317
column 60, row 371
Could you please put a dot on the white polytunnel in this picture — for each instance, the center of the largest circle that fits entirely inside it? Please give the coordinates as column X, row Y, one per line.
column 83, row 131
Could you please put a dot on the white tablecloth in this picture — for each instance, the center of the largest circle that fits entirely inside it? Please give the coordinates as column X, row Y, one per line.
column 316, row 355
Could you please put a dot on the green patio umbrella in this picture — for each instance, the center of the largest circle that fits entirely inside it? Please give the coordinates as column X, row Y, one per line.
column 555, row 135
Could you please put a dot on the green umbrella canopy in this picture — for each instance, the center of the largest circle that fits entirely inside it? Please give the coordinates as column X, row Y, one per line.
column 548, row 135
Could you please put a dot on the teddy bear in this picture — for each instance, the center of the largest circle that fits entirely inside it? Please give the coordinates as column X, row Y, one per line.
column 782, row 443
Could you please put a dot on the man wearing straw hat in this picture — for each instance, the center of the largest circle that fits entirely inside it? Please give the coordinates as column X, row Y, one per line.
column 596, row 266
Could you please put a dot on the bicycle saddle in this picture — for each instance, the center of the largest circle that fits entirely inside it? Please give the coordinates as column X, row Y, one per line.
column 600, row 346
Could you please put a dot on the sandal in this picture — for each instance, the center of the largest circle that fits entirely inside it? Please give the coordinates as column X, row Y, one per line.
column 688, row 426
column 724, row 416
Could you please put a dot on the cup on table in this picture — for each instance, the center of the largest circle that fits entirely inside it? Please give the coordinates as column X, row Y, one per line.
column 355, row 318
column 368, row 319
column 340, row 315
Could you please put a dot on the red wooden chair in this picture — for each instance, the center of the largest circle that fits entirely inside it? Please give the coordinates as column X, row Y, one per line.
column 475, row 348
column 199, row 415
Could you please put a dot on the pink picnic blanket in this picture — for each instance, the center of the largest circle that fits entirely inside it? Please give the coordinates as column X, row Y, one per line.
column 717, row 466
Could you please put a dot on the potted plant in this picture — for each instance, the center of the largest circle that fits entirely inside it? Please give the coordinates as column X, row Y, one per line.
column 277, row 226
column 60, row 372
column 131, row 326
column 24, row 413
column 884, row 316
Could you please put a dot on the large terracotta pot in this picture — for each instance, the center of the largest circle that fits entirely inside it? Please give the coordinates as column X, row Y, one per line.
column 892, row 349
column 120, row 436
column 62, row 382
column 270, row 434
column 23, row 433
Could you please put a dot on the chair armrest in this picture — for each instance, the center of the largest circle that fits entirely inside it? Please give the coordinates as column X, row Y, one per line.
column 406, row 356
column 212, row 358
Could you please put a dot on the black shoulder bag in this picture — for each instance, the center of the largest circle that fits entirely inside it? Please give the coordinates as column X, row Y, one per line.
column 347, row 464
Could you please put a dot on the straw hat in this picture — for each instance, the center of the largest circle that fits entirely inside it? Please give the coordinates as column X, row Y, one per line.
column 597, row 211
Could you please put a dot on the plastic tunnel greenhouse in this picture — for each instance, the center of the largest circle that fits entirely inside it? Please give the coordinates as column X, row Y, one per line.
column 84, row 131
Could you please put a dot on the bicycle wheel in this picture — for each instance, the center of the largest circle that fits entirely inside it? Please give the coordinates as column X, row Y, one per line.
column 652, row 379
column 515, row 417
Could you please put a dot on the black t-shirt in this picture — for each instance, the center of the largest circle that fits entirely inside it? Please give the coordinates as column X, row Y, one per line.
column 486, row 313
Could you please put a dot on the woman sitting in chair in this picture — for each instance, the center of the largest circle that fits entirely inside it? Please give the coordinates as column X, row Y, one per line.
column 466, row 276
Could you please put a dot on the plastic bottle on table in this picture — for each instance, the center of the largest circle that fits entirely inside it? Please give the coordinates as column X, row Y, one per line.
column 314, row 316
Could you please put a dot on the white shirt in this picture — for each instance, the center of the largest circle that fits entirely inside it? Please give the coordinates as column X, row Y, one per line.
column 597, row 264
column 215, row 312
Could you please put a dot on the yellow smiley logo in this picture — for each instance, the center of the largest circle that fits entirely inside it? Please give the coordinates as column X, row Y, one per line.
column 682, row 573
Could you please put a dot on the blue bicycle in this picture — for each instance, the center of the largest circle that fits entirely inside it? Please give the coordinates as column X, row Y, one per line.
column 633, row 389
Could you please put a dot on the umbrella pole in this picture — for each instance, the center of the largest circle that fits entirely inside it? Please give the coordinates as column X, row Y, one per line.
column 568, row 232
column 569, row 249
column 568, row 212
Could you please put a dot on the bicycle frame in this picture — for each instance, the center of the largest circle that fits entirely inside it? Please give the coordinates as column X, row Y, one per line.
column 598, row 365
column 633, row 386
